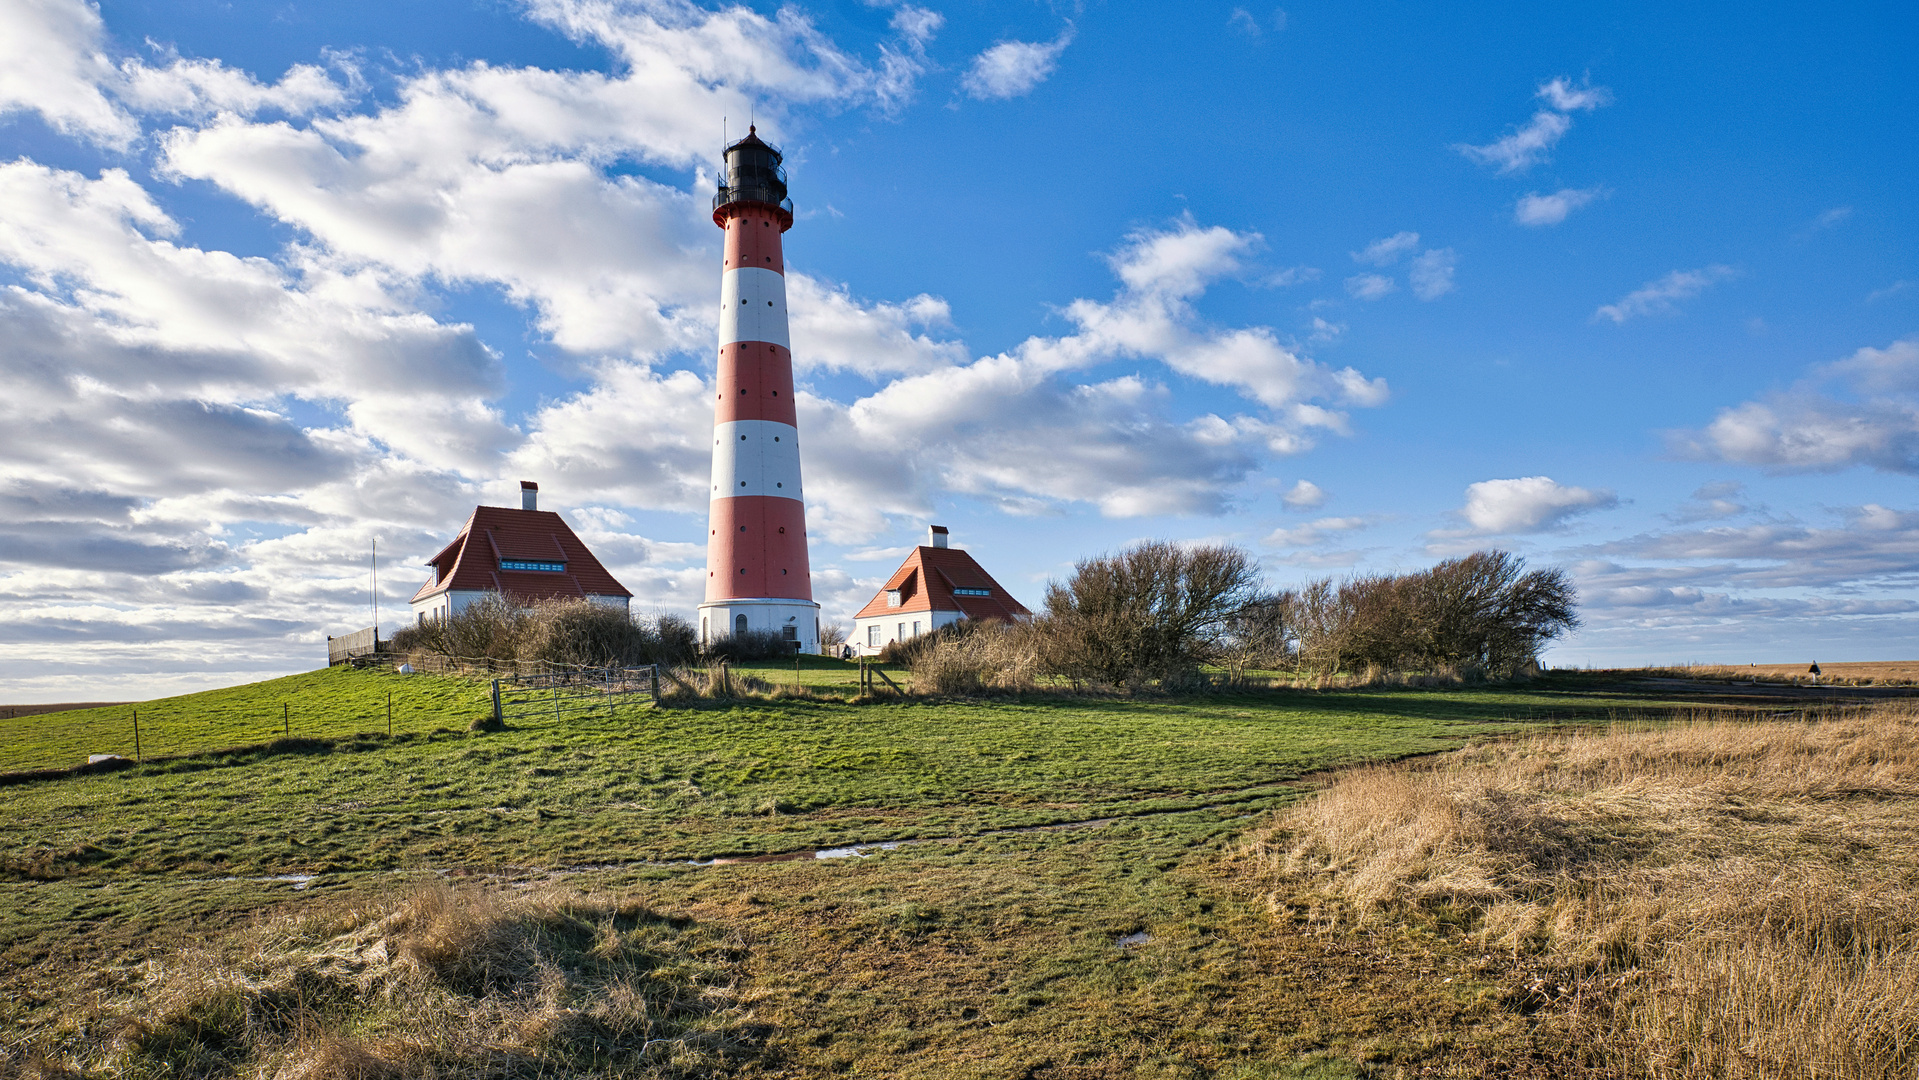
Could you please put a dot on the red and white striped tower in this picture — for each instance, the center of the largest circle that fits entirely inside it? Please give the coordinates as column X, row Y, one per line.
column 756, row 566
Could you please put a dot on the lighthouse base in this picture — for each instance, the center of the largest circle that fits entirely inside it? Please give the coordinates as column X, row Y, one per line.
column 797, row 621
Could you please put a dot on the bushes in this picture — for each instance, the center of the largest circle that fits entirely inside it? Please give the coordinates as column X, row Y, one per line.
column 749, row 645
column 1154, row 612
column 972, row 658
column 564, row 632
column 1484, row 612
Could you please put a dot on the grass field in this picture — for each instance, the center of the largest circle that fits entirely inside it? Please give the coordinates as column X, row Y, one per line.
column 1059, row 903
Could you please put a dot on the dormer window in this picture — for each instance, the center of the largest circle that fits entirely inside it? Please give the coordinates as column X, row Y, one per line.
column 895, row 597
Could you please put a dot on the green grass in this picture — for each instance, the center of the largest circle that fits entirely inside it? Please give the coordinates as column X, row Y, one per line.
column 975, row 950
column 327, row 703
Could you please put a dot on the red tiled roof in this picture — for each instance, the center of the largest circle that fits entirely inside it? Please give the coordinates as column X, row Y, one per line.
column 927, row 579
column 493, row 533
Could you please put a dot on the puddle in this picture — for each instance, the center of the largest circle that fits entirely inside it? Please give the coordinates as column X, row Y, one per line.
column 854, row 851
column 299, row 881
column 857, row 851
column 1134, row 940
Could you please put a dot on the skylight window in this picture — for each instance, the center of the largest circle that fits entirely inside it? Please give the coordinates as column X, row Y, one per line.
column 542, row 567
column 972, row 592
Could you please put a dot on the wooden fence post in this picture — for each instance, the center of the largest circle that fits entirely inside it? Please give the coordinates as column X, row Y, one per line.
column 498, row 716
column 389, row 714
column 136, row 736
column 286, row 719
column 654, row 681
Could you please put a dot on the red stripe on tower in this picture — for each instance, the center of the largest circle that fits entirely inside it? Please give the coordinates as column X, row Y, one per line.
column 757, row 575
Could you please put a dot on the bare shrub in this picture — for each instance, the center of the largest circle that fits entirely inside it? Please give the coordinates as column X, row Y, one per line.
column 1483, row 613
column 977, row 657
column 1723, row 899
column 570, row 633
column 1151, row 613
column 832, row 636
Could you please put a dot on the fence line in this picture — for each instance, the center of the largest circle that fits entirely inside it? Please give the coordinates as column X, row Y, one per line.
column 523, row 697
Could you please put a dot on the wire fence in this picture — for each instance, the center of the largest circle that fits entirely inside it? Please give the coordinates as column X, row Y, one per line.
column 559, row 694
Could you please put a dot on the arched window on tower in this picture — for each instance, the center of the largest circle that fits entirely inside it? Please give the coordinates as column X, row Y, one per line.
column 739, row 624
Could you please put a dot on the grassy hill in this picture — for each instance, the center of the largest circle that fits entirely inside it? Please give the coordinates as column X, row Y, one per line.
column 1037, row 839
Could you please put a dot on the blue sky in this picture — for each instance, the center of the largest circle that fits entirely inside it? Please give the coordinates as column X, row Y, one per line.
column 1631, row 290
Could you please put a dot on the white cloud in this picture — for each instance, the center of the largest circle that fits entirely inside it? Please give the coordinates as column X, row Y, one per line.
column 1562, row 95
column 917, row 24
column 204, row 87
column 1431, row 274
column 1292, row 275
column 1528, row 504
column 1324, row 331
column 53, row 62
column 1891, row 290
column 1873, row 552
column 1012, row 69
column 1826, row 220
column 833, row 331
column 1304, row 495
column 1526, row 146
column 1657, row 297
column 1810, row 430
column 1387, row 251
column 1713, row 502
column 1536, row 210
column 1313, row 534
column 682, row 57
column 1893, row 370
column 1370, row 286
column 1250, row 24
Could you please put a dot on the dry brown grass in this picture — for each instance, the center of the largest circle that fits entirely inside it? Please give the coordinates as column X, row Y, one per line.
column 1848, row 673
column 993, row 656
column 1706, row 899
column 444, row 982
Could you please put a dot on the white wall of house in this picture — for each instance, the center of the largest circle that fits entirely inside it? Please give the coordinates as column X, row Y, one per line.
column 453, row 601
column 872, row 634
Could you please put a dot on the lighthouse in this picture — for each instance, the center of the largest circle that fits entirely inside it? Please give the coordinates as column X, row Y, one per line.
column 756, row 565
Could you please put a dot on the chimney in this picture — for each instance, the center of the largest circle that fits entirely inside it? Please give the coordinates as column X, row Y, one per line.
column 936, row 536
column 529, row 495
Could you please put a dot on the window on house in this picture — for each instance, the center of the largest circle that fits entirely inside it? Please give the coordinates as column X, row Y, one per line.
column 893, row 598
column 873, row 636
column 900, row 633
column 525, row 564
column 916, row 628
column 972, row 592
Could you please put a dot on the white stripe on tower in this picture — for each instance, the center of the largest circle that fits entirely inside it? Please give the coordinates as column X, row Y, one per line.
column 753, row 306
column 756, row 457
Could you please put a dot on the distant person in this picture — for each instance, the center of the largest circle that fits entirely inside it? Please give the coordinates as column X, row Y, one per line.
column 1814, row 671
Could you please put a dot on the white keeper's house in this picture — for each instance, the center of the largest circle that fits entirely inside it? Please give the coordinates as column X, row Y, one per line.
column 936, row 586
column 524, row 555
